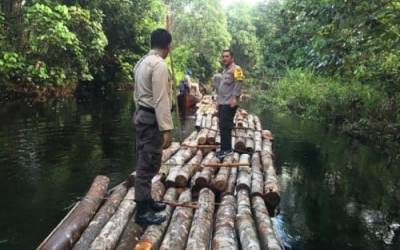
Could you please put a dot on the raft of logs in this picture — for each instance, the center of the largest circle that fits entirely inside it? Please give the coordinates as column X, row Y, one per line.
column 210, row 204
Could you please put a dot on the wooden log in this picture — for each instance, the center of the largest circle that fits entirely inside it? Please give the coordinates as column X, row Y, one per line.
column 212, row 134
column 271, row 187
column 244, row 176
column 109, row 235
column 177, row 161
column 266, row 134
column 193, row 188
column 152, row 237
column 249, row 140
column 257, row 123
column 250, row 119
column 233, row 137
column 71, row 227
column 230, row 189
column 240, row 143
column 204, row 121
column 245, row 225
column 268, row 239
column 199, row 118
column 221, row 179
column 202, row 136
column 267, row 147
column 209, row 120
column 131, row 235
column 101, row 218
column 168, row 152
column 257, row 179
column 200, row 231
column 186, row 172
column 178, row 230
column 257, row 141
column 225, row 235
column 204, row 178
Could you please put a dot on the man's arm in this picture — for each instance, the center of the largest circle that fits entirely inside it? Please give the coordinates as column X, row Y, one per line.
column 162, row 102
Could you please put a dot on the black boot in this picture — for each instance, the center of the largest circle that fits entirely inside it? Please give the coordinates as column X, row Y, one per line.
column 145, row 215
column 157, row 206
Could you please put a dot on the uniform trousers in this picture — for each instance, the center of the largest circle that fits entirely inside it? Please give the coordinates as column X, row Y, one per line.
column 149, row 142
column 226, row 115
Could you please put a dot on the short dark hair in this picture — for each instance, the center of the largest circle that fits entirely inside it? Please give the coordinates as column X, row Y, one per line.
column 229, row 51
column 160, row 38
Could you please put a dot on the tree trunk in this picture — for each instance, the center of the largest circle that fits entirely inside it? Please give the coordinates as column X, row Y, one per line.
column 250, row 140
column 187, row 171
column 207, row 173
column 201, row 230
column 168, row 152
column 221, row 179
column 240, row 140
column 202, row 136
column 131, row 235
column 178, row 230
column 177, row 161
column 245, row 225
column 109, row 235
column 152, row 237
column 271, row 187
column 257, row 141
column 244, row 176
column 101, row 218
column 257, row 180
column 265, row 229
column 257, row 123
column 71, row 227
column 225, row 235
column 212, row 134
column 230, row 189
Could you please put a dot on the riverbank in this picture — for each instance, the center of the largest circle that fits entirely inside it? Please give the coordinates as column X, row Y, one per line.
column 363, row 112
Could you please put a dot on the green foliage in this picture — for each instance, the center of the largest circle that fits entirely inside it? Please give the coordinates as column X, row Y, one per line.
column 63, row 41
column 200, row 33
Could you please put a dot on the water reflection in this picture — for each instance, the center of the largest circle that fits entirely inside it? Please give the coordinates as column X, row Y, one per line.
column 336, row 194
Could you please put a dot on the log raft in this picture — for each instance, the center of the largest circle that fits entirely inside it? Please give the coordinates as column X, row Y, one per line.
column 210, row 204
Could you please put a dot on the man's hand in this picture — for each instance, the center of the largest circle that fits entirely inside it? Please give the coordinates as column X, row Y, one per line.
column 233, row 102
column 167, row 138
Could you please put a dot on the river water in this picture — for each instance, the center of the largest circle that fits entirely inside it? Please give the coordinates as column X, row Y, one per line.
column 336, row 193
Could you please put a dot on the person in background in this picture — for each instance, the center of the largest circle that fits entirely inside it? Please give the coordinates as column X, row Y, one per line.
column 153, row 123
column 228, row 87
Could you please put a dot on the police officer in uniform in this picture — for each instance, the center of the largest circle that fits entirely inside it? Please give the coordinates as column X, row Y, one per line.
column 228, row 87
column 153, row 123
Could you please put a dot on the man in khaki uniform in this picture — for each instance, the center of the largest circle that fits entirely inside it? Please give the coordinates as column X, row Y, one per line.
column 228, row 88
column 153, row 123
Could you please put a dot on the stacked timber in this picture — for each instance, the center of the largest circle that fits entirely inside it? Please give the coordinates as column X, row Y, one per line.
column 191, row 181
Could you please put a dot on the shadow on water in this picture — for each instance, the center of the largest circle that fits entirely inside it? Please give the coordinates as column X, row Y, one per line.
column 336, row 194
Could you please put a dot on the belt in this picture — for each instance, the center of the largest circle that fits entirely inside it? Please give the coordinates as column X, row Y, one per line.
column 147, row 109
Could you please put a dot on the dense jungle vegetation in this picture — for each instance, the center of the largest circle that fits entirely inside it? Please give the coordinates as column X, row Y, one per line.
column 331, row 60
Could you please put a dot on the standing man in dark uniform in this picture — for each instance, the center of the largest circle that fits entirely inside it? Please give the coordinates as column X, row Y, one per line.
column 228, row 87
column 153, row 123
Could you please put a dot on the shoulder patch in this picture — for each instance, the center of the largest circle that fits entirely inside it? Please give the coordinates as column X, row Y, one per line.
column 238, row 74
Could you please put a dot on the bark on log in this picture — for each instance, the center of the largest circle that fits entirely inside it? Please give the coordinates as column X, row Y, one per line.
column 267, row 147
column 257, row 179
column 268, row 239
column 195, row 189
column 201, row 229
column 152, row 237
column 257, row 141
column 204, row 178
column 225, row 235
column 245, row 225
column 168, row 152
column 109, row 235
column 202, row 136
column 199, row 118
column 218, row 139
column 187, row 171
column 71, row 227
column 203, row 121
column 250, row 119
column 257, row 123
column 101, row 218
column 178, row 230
column 212, row 134
column 271, row 187
column 221, row 179
column 250, row 140
column 244, row 176
column 240, row 143
column 209, row 120
column 133, row 231
column 232, row 176
column 177, row 161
